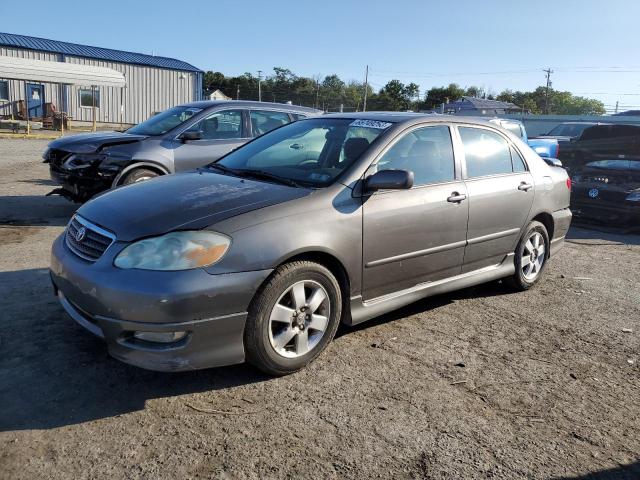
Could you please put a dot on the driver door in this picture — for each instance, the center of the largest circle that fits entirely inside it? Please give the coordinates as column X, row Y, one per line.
column 417, row 235
column 221, row 132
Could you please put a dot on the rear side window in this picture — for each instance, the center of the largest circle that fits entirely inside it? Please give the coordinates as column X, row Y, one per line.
column 263, row 121
column 485, row 152
column 220, row 126
column 517, row 161
column 427, row 152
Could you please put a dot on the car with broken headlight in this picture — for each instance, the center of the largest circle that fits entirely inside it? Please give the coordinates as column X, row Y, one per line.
column 179, row 139
column 340, row 218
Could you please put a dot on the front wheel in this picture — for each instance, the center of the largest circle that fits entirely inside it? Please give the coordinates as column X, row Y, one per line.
column 138, row 175
column 531, row 255
column 292, row 318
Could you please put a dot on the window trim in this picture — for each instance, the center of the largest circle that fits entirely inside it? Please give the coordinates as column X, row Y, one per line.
column 510, row 144
column 98, row 97
column 457, row 172
column 6, row 82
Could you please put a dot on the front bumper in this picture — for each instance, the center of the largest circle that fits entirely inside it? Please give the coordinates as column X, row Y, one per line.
column 113, row 303
column 82, row 184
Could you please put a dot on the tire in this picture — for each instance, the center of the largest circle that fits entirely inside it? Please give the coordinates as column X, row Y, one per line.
column 529, row 261
column 276, row 314
column 138, row 175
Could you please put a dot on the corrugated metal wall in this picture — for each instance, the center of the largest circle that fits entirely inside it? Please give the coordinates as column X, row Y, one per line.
column 148, row 89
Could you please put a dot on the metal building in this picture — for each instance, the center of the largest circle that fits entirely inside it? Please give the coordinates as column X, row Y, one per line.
column 151, row 83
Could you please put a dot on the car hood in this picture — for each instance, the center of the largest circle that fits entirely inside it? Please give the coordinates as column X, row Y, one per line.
column 185, row 201
column 93, row 142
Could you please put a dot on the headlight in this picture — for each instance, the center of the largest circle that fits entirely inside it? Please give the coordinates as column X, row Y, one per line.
column 634, row 196
column 175, row 251
column 80, row 160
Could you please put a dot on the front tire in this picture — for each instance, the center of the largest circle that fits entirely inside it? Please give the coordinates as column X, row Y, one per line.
column 138, row 175
column 531, row 257
column 292, row 318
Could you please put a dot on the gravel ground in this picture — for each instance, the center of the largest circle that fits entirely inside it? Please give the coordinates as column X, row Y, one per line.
column 482, row 383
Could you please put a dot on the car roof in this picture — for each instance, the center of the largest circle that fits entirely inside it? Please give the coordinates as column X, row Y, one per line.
column 250, row 104
column 410, row 117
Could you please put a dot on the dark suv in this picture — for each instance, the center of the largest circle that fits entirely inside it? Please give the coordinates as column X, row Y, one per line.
column 181, row 138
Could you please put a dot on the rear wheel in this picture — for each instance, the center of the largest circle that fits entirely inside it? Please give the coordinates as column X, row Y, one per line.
column 138, row 175
column 292, row 318
column 531, row 256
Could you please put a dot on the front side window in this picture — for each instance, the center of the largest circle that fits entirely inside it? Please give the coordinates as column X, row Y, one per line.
column 427, row 152
column 263, row 121
column 88, row 97
column 485, row 152
column 4, row 90
column 311, row 152
column 163, row 122
column 220, row 125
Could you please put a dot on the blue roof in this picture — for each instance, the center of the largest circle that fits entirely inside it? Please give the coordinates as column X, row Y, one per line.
column 76, row 50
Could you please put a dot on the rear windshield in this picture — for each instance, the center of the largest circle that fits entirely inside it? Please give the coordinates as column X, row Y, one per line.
column 568, row 130
column 164, row 121
column 311, row 152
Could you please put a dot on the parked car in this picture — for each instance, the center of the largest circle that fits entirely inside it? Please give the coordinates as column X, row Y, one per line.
column 181, row 138
column 546, row 148
column 567, row 131
column 604, row 164
column 338, row 218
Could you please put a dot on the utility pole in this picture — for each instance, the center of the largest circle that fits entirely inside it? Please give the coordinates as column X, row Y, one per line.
column 238, row 91
column 259, row 85
column 616, row 106
column 548, row 71
column 366, row 88
column 317, row 93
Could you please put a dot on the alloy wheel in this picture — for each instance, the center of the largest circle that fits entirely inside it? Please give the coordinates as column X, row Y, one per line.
column 299, row 319
column 533, row 256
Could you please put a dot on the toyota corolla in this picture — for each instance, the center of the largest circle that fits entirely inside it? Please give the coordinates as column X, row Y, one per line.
column 260, row 255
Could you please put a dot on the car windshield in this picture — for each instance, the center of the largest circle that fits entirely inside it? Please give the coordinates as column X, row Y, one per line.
column 568, row 130
column 164, row 121
column 309, row 152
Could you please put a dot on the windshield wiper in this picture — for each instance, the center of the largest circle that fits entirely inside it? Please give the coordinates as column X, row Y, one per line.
column 262, row 175
column 222, row 168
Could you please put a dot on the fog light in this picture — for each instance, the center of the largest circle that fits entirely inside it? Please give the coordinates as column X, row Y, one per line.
column 160, row 337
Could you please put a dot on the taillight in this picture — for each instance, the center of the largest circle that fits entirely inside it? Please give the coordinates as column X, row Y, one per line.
column 569, row 183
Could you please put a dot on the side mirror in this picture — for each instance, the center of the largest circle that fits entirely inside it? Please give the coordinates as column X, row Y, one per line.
column 190, row 135
column 552, row 162
column 389, row 180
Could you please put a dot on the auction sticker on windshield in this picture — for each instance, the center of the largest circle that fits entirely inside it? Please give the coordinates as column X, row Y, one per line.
column 370, row 124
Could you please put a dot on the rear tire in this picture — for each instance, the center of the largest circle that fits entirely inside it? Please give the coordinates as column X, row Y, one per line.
column 531, row 257
column 138, row 175
column 292, row 318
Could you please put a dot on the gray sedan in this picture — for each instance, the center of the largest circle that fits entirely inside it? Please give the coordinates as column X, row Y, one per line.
column 339, row 218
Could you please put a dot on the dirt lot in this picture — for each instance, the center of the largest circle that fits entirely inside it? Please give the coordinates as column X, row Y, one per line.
column 483, row 383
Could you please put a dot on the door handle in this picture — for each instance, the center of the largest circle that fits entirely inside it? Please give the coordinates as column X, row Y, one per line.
column 525, row 187
column 296, row 146
column 456, row 197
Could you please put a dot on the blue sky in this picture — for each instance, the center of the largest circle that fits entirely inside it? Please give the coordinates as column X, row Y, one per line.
column 592, row 45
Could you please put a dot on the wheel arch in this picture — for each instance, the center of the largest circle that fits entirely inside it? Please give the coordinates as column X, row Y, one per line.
column 334, row 265
column 546, row 219
column 156, row 167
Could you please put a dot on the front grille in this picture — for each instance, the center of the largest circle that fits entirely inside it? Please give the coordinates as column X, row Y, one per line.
column 57, row 157
column 87, row 240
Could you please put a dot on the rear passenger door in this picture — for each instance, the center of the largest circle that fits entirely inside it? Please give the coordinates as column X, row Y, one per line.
column 263, row 121
column 417, row 235
column 220, row 132
column 500, row 190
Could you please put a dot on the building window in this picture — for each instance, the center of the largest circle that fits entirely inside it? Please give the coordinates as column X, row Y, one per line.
column 4, row 90
column 86, row 99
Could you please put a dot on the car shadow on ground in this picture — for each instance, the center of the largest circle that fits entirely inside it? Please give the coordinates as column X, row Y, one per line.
column 596, row 235
column 35, row 210
column 53, row 373
column 623, row 472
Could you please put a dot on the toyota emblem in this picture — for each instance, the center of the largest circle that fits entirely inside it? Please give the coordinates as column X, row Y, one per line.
column 80, row 234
